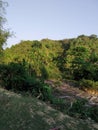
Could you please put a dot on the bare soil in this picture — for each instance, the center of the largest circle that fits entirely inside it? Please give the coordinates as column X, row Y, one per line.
column 69, row 92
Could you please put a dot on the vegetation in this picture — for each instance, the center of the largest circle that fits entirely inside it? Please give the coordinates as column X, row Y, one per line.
column 74, row 59
column 78, row 109
column 14, row 76
column 25, row 67
column 4, row 33
column 19, row 112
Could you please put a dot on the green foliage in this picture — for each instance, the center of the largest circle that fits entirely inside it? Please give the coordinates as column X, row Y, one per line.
column 36, row 44
column 4, row 34
column 94, row 113
column 89, row 84
column 26, row 66
column 81, row 58
column 37, row 55
column 72, row 59
column 44, row 73
column 15, row 76
column 58, row 103
column 46, row 92
column 78, row 109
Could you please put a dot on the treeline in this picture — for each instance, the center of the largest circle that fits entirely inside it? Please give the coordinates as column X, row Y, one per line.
column 73, row 59
column 24, row 67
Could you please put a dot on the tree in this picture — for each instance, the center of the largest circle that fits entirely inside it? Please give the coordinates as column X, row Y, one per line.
column 76, row 60
column 81, row 59
column 4, row 33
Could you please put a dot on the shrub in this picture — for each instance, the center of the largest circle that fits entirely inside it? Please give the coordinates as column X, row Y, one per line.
column 12, row 76
column 58, row 104
column 89, row 84
column 46, row 92
column 94, row 113
column 78, row 109
column 15, row 77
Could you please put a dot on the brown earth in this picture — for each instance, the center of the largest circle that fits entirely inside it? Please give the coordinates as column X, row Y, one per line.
column 70, row 93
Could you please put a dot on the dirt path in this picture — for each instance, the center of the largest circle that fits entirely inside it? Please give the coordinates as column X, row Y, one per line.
column 70, row 93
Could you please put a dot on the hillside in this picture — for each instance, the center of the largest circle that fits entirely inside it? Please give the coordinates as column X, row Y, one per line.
column 25, row 113
column 47, row 84
column 69, row 59
column 75, row 58
column 58, row 72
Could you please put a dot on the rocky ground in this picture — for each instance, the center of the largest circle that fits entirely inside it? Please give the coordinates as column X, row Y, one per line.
column 67, row 91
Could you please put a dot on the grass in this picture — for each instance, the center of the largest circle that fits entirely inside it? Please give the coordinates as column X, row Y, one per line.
column 19, row 112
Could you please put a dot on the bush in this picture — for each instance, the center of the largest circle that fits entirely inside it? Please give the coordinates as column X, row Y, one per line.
column 12, row 76
column 15, row 77
column 58, row 104
column 78, row 109
column 46, row 92
column 89, row 84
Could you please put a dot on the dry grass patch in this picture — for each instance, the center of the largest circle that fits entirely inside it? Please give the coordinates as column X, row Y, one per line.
column 26, row 113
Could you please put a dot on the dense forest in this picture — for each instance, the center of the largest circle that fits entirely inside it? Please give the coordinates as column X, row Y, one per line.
column 28, row 62
column 69, row 59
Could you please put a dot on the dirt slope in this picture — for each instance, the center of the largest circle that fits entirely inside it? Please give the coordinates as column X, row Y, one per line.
column 27, row 113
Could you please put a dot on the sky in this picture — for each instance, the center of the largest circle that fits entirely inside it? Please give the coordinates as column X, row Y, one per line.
column 52, row 19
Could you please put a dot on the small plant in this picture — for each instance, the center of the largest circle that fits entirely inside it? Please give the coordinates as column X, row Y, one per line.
column 88, row 84
column 94, row 113
column 58, row 103
column 78, row 108
column 46, row 92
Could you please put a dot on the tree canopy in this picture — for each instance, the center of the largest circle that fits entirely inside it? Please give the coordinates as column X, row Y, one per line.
column 70, row 58
column 4, row 33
